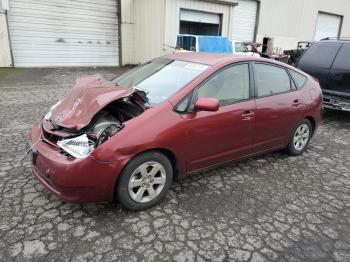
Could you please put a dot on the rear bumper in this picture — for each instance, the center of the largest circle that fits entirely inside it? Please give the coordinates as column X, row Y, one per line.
column 72, row 180
column 337, row 103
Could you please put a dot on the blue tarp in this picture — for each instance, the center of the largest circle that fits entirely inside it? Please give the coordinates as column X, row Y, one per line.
column 214, row 44
column 208, row 44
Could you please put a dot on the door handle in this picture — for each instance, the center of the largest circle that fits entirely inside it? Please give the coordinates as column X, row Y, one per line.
column 248, row 115
column 296, row 103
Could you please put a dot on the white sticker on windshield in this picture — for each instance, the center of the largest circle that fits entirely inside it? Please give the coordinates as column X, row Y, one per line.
column 194, row 66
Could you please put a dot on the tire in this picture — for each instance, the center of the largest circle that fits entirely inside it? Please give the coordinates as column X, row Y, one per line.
column 300, row 140
column 150, row 170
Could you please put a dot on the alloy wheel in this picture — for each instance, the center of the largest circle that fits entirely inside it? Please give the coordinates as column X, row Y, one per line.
column 301, row 137
column 147, row 182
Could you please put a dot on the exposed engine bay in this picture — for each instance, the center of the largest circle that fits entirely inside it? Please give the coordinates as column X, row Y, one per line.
column 104, row 124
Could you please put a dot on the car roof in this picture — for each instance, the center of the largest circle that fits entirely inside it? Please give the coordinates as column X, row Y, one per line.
column 209, row 58
column 213, row 59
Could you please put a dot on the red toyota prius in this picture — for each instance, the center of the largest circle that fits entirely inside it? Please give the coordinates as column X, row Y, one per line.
column 176, row 115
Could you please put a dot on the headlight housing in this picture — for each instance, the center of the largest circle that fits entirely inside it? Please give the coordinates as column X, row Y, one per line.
column 78, row 147
column 49, row 114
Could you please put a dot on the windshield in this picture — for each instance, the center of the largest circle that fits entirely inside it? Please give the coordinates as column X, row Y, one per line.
column 161, row 78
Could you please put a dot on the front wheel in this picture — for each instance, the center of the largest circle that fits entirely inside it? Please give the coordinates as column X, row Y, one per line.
column 144, row 181
column 300, row 138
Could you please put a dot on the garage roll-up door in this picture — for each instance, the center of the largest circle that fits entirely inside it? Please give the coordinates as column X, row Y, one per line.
column 64, row 32
column 244, row 21
column 327, row 26
column 199, row 17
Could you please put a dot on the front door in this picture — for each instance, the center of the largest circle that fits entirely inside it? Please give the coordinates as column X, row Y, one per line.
column 218, row 137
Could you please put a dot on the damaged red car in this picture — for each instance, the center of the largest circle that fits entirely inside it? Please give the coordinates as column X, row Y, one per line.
column 184, row 113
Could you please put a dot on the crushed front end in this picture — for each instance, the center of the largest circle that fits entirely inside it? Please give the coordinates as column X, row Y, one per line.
column 71, row 179
column 62, row 143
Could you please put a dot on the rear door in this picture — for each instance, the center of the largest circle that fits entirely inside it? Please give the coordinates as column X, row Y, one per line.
column 279, row 106
column 339, row 76
column 317, row 60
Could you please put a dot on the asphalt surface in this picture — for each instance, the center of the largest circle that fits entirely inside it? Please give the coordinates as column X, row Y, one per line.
column 269, row 208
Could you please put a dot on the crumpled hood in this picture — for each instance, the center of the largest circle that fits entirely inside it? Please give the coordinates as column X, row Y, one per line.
column 88, row 96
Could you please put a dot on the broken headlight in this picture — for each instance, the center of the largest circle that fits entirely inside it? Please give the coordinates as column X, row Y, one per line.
column 78, row 147
column 83, row 145
column 49, row 114
column 101, row 128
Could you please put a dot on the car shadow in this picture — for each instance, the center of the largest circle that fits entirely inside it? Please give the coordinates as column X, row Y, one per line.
column 336, row 116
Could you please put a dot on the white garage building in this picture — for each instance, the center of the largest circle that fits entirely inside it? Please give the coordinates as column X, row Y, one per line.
column 44, row 33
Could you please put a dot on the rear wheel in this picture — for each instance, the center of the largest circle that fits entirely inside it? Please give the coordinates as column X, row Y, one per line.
column 300, row 138
column 144, row 181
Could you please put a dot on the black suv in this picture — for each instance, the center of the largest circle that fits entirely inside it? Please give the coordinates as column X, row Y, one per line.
column 329, row 61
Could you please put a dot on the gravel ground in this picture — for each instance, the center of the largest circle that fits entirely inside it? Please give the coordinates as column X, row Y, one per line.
column 269, row 208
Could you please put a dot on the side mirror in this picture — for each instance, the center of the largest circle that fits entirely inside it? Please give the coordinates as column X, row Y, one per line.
column 207, row 104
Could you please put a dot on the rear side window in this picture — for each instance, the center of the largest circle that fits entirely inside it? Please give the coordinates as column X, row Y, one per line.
column 298, row 79
column 319, row 55
column 342, row 61
column 271, row 80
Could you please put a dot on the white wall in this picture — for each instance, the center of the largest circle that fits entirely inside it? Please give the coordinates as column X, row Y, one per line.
column 127, row 32
column 290, row 21
column 149, row 29
column 142, row 30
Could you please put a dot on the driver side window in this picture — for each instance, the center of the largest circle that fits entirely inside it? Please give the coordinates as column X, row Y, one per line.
column 228, row 86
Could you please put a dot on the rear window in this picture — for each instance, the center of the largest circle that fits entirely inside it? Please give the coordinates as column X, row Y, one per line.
column 319, row 55
column 298, row 79
column 342, row 61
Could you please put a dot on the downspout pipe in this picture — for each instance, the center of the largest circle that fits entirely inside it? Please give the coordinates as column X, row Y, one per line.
column 9, row 37
column 257, row 20
column 119, row 14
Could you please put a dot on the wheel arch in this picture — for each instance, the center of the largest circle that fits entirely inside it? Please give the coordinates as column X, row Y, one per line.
column 313, row 123
column 172, row 158
column 166, row 152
